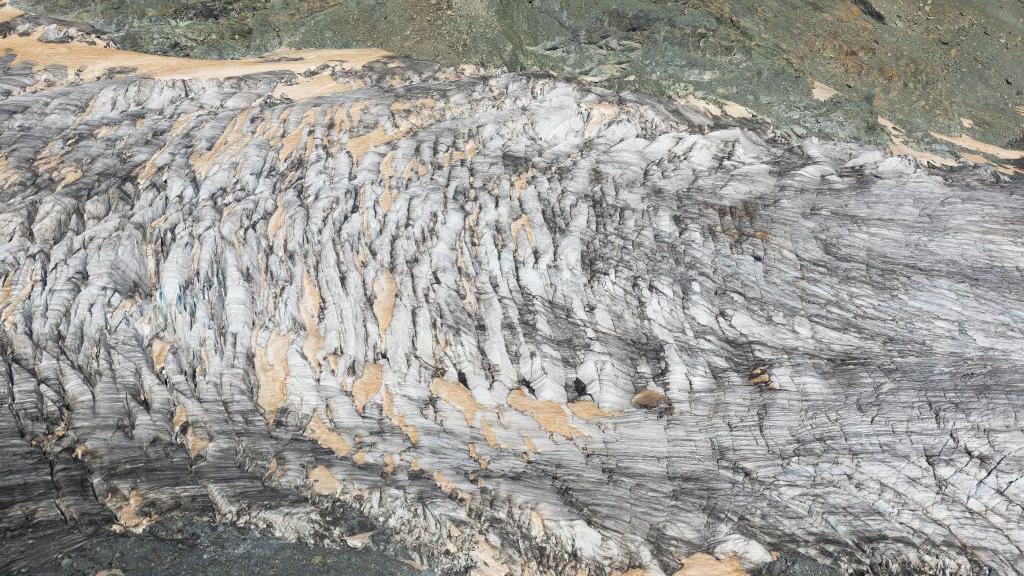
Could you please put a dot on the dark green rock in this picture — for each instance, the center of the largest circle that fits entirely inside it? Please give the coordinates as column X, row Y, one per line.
column 923, row 66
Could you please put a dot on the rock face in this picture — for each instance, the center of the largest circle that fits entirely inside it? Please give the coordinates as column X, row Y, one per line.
column 827, row 69
column 521, row 325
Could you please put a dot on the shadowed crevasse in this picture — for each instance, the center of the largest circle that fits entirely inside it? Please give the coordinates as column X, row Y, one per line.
column 513, row 321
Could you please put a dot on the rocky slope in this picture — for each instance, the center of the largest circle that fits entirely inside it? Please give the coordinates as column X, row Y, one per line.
column 827, row 68
column 520, row 325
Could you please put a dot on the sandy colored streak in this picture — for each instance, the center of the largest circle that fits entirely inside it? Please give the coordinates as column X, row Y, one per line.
column 149, row 169
column 551, row 416
column 522, row 224
column 49, row 158
column 536, row 524
column 291, row 142
column 480, row 459
column 965, row 141
column 322, row 481
column 390, row 463
column 457, row 395
column 127, row 512
column 648, row 398
column 588, row 410
column 703, row 105
column 898, row 147
column 277, row 218
column 470, row 301
column 469, row 153
column 736, row 110
column 822, row 92
column 309, row 310
column 233, row 138
column 355, row 111
column 180, row 417
column 387, row 166
column 9, row 305
column 195, row 443
column 159, row 350
column 418, row 104
column 272, row 373
column 529, row 445
column 487, row 560
column 701, row 564
column 599, row 115
column 70, row 174
column 387, row 173
column 489, row 436
column 367, row 386
column 360, row 145
column 442, row 482
column 520, row 182
column 8, row 176
column 326, row 437
column 320, row 85
column 409, row 430
column 93, row 61
column 8, row 13
column 384, row 293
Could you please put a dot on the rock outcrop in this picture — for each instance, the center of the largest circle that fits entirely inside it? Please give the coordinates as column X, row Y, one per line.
column 824, row 69
column 523, row 326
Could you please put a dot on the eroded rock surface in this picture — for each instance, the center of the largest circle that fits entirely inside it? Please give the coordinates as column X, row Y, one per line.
column 521, row 325
column 823, row 68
